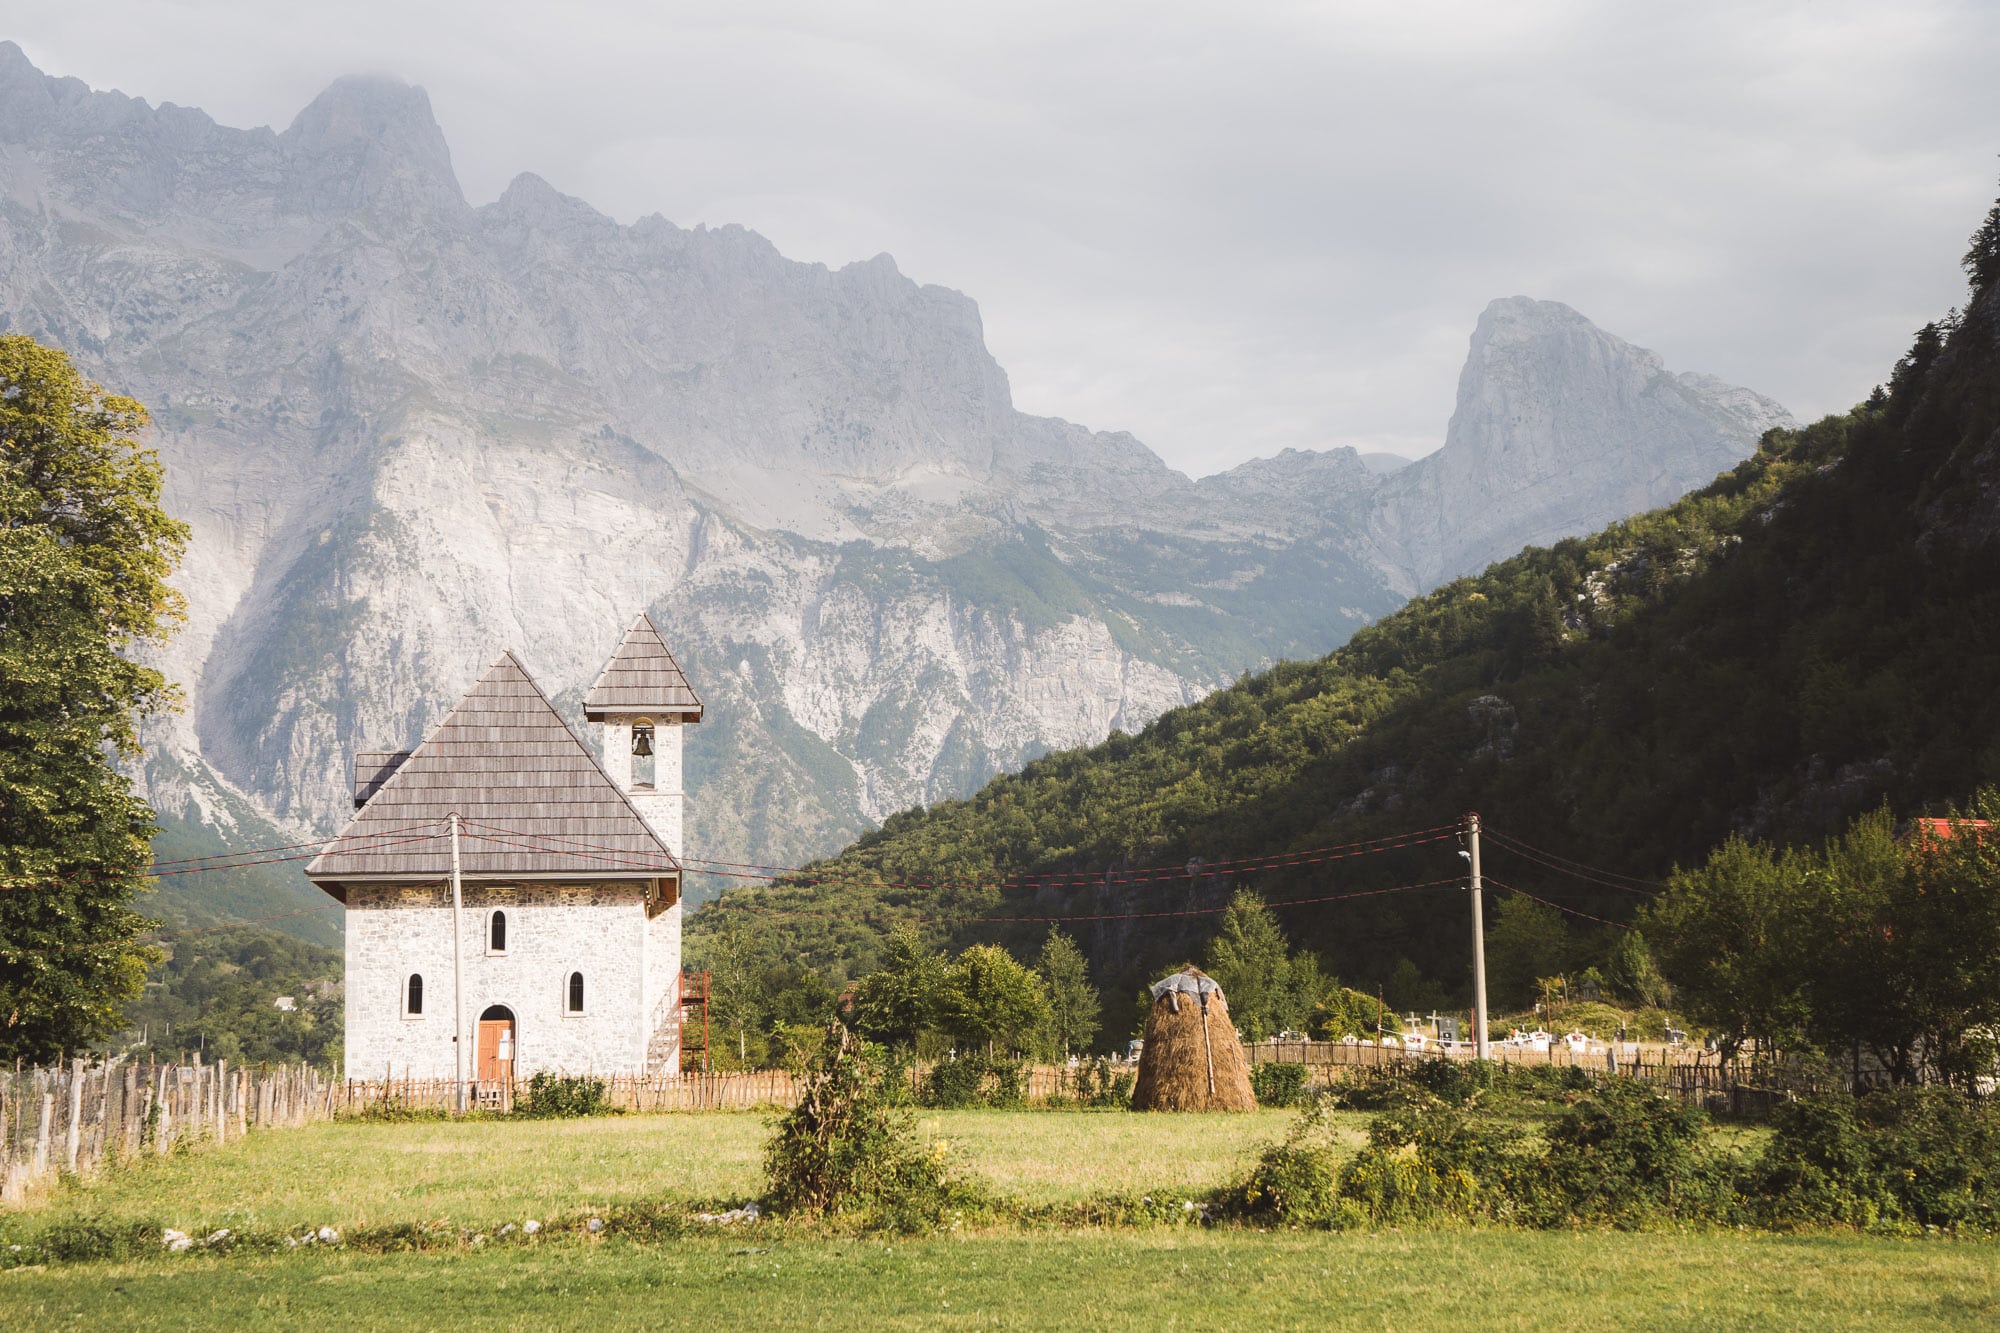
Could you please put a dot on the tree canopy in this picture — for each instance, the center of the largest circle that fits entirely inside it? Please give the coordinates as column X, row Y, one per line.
column 85, row 551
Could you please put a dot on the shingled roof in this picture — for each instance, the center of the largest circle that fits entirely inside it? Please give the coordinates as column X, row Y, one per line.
column 526, row 792
column 641, row 677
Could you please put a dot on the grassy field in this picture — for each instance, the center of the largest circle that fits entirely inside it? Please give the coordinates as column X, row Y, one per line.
column 477, row 1175
column 1100, row 1280
column 356, row 1173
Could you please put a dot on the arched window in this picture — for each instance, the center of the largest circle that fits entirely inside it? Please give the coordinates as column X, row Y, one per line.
column 413, row 999
column 576, row 992
column 496, row 934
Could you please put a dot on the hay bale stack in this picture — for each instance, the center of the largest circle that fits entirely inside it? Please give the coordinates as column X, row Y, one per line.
column 1192, row 1060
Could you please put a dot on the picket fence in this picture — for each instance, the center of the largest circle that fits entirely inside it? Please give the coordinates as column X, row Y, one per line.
column 1692, row 1075
column 77, row 1117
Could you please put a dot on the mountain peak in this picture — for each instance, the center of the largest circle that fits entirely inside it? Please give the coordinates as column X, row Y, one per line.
column 371, row 139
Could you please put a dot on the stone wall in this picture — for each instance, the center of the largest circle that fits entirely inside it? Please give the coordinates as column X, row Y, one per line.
column 599, row 929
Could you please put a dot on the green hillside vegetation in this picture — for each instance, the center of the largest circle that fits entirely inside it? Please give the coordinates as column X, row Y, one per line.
column 1810, row 636
column 216, row 992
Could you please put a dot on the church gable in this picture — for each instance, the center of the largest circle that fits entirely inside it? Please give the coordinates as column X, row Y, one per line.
column 533, row 802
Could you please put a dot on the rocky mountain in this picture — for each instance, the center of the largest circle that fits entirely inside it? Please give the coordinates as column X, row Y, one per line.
column 1559, row 425
column 1813, row 635
column 408, row 430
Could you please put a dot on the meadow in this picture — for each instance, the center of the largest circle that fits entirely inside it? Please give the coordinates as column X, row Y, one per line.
column 479, row 1175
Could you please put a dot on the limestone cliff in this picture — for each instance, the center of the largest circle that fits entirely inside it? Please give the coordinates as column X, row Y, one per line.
column 409, row 431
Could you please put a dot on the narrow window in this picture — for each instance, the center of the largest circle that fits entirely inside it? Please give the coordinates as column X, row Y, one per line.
column 414, row 1005
column 496, row 941
column 576, row 992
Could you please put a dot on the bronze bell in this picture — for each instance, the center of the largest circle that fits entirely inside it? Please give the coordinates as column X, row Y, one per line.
column 642, row 739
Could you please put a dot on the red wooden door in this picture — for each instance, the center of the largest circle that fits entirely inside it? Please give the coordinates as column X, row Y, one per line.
column 496, row 1049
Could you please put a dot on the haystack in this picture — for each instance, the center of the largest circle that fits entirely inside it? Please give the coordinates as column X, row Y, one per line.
column 1192, row 1060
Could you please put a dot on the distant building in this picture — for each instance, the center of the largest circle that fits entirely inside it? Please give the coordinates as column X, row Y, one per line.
column 570, row 950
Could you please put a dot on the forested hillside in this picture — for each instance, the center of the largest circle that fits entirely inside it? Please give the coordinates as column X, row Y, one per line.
column 1812, row 635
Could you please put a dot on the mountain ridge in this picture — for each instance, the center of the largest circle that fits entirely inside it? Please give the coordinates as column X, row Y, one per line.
column 1814, row 634
column 406, row 428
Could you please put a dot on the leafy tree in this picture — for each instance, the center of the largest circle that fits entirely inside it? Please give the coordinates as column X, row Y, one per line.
column 990, row 999
column 1982, row 260
column 1076, row 1010
column 1632, row 973
column 1729, row 935
column 85, row 551
column 1866, row 941
column 897, row 1004
column 217, row 992
column 1526, row 942
column 1943, row 939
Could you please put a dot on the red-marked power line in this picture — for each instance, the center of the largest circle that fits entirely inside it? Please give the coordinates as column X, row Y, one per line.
column 750, row 905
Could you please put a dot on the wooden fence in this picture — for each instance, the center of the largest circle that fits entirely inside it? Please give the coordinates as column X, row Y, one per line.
column 74, row 1118
column 739, row 1091
column 1694, row 1076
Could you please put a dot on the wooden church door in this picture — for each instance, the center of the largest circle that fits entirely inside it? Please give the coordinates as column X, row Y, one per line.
column 496, row 1045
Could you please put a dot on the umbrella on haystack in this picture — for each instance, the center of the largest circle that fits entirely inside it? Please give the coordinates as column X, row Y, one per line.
column 1192, row 1060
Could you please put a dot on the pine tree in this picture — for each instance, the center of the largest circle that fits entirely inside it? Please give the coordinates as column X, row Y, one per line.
column 85, row 551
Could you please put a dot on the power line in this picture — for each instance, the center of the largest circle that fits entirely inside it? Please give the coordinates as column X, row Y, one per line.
column 739, row 905
column 1602, row 921
column 1099, row 880
column 1580, row 869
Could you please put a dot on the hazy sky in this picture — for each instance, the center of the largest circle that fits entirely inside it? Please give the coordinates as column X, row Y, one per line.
column 1225, row 228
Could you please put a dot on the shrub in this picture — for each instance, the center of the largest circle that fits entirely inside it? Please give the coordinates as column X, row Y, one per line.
column 562, row 1096
column 1623, row 1153
column 1427, row 1161
column 972, row 1080
column 1295, row 1182
column 846, row 1150
column 1278, row 1084
column 1894, row 1160
column 81, row 1239
column 1095, row 1082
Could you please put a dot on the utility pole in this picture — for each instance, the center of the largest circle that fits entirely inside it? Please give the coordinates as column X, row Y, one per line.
column 1479, row 1046
column 457, row 967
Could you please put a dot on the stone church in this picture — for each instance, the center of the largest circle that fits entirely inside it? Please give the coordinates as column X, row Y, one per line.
column 568, row 926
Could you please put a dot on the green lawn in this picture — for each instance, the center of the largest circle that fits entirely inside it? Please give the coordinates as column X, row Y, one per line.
column 1135, row 1279
column 356, row 1173
column 477, row 1175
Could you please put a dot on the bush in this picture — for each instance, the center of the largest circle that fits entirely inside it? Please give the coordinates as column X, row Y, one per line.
column 1895, row 1160
column 1623, row 1153
column 1095, row 1083
column 81, row 1239
column 1426, row 1161
column 972, row 1080
column 1296, row 1182
column 562, row 1096
column 1278, row 1084
column 845, row 1150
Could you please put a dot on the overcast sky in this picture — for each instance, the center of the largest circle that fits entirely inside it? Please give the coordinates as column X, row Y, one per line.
column 1226, row 228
